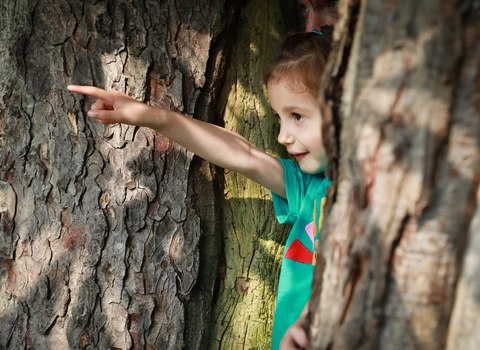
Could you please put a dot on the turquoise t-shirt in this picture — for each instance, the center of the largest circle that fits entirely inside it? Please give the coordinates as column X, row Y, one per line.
column 303, row 209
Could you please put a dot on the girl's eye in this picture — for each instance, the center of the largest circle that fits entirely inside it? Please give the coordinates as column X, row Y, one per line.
column 297, row 117
column 333, row 4
column 304, row 10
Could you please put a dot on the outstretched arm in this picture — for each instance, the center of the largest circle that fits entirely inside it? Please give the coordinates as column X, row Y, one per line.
column 213, row 143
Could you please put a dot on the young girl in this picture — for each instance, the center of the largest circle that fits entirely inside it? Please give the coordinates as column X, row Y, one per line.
column 298, row 189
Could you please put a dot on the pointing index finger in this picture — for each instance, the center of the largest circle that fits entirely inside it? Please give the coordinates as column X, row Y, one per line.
column 92, row 91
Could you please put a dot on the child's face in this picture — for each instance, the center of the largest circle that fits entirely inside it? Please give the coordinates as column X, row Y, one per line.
column 319, row 13
column 300, row 126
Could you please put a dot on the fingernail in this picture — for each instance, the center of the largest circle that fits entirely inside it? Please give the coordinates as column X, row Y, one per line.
column 92, row 113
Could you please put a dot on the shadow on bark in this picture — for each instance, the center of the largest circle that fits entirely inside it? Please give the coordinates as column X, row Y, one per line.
column 66, row 170
column 404, row 142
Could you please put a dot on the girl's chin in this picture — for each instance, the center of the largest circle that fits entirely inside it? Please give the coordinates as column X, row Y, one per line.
column 312, row 168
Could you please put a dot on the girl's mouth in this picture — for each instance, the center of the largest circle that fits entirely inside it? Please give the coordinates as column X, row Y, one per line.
column 300, row 156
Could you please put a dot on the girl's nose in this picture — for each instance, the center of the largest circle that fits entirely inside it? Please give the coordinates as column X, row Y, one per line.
column 313, row 21
column 284, row 136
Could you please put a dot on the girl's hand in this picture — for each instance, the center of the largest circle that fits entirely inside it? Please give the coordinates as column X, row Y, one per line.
column 114, row 107
column 296, row 337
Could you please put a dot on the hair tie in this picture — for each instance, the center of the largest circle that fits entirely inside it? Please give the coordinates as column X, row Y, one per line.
column 316, row 31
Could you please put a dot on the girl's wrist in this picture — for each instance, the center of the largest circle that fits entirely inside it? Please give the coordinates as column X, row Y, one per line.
column 156, row 118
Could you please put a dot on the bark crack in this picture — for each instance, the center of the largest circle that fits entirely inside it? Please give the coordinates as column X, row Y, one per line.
column 388, row 274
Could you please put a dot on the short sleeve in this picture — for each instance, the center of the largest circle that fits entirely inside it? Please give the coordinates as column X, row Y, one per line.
column 296, row 184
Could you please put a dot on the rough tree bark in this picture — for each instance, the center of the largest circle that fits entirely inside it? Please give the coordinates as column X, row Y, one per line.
column 101, row 227
column 401, row 234
column 98, row 235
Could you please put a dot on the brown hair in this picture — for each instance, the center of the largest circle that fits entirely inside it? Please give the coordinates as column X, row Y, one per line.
column 299, row 60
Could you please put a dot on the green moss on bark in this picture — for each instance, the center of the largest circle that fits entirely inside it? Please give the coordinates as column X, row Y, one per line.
column 253, row 240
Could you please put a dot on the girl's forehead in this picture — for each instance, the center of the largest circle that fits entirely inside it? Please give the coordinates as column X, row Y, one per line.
column 283, row 98
column 292, row 85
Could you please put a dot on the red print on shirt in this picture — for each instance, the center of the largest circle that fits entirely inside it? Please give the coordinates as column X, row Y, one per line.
column 298, row 252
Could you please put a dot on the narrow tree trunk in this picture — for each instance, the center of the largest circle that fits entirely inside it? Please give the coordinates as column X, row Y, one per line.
column 253, row 240
column 402, row 126
column 98, row 236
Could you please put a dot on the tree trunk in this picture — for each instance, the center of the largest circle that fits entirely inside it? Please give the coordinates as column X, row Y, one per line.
column 253, row 241
column 401, row 234
column 99, row 233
